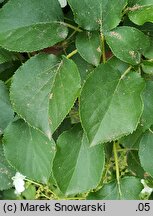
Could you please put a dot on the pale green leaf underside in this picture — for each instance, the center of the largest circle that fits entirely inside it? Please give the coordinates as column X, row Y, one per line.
column 44, row 90
column 6, row 112
column 77, row 167
column 89, row 47
column 146, row 152
column 90, row 15
column 130, row 190
column 6, row 172
column 29, row 151
column 110, row 106
column 24, row 28
column 128, row 43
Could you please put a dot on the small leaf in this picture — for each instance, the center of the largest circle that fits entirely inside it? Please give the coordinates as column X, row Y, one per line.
column 110, row 104
column 6, row 112
column 90, row 15
column 77, row 167
column 31, row 25
column 147, row 67
column 88, row 45
column 140, row 11
column 141, row 14
column 134, row 165
column 44, row 83
column 147, row 115
column 127, row 44
column 130, row 190
column 146, row 152
column 6, row 172
column 29, row 151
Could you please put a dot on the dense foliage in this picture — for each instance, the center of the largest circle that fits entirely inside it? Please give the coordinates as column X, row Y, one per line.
column 76, row 99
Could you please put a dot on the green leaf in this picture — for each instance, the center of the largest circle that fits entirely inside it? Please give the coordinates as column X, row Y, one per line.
column 29, row 193
column 83, row 66
column 147, row 115
column 6, row 112
column 64, row 92
column 48, row 85
column 117, row 64
column 6, row 171
column 9, row 195
column 139, row 2
column 130, row 189
column 141, row 14
column 77, row 168
column 110, row 104
column 90, row 15
column 132, row 140
column 29, row 151
column 149, row 52
column 7, row 69
column 6, row 56
column 127, row 44
column 31, row 25
column 134, row 165
column 88, row 45
column 140, row 11
column 147, row 67
column 31, row 86
column 146, row 152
